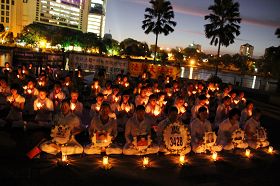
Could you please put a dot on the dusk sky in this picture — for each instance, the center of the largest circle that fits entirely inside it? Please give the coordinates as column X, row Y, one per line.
column 260, row 18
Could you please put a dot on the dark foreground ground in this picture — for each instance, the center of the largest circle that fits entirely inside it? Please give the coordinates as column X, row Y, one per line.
column 232, row 168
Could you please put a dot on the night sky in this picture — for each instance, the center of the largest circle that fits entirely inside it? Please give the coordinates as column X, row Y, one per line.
column 260, row 18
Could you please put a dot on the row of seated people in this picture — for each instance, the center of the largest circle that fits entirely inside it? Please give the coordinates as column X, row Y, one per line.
column 103, row 133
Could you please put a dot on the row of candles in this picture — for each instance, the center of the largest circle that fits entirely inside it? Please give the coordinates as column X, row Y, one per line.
column 146, row 162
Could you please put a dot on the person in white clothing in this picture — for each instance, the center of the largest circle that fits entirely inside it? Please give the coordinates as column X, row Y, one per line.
column 69, row 145
column 202, row 100
column 137, row 126
column 246, row 113
column 43, row 108
column 226, row 129
column 199, row 126
column 222, row 111
column 252, row 126
column 103, row 128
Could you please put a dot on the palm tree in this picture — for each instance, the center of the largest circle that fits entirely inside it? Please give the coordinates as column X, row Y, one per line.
column 277, row 32
column 224, row 24
column 158, row 19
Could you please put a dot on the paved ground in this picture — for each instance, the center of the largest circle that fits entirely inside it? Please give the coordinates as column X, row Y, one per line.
column 231, row 169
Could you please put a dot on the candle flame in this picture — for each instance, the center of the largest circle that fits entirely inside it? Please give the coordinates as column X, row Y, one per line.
column 145, row 161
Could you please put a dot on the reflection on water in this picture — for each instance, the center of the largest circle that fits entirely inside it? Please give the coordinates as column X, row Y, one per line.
column 254, row 82
column 5, row 57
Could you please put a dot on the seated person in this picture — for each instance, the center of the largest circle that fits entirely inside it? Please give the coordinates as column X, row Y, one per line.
column 63, row 139
column 202, row 100
column 222, row 111
column 172, row 118
column 104, row 129
column 138, row 125
column 226, row 129
column 16, row 102
column 76, row 106
column 199, row 126
column 254, row 138
column 246, row 113
column 57, row 96
column 43, row 108
column 95, row 108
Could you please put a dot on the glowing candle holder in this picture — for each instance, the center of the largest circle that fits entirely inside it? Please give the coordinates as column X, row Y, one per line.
column 182, row 160
column 127, row 108
column 105, row 162
column 64, row 158
column 248, row 153
column 29, row 91
column 215, row 156
column 39, row 105
column 72, row 106
column 270, row 149
column 145, row 162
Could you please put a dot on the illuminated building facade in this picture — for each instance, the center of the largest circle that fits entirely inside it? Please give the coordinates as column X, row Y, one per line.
column 83, row 15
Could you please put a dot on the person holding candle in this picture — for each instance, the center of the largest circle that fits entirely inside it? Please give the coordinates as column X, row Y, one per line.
column 75, row 106
column 246, row 113
column 43, row 108
column 31, row 94
column 226, row 129
column 124, row 111
column 202, row 100
column 199, row 126
column 252, row 126
column 142, row 98
column 95, row 108
column 107, row 90
column 222, row 111
column 114, row 96
column 107, row 126
column 16, row 102
column 152, row 108
column 62, row 140
column 57, row 96
column 95, row 87
column 136, row 126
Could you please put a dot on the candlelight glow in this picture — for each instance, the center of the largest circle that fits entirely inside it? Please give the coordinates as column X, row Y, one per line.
column 270, row 149
column 29, row 91
column 236, row 101
column 126, row 84
column 145, row 161
column 97, row 108
column 127, row 108
column 247, row 153
column 25, row 87
column 39, row 105
column 64, row 158
column 156, row 112
column 214, row 156
column 182, row 159
column 72, row 106
column 105, row 161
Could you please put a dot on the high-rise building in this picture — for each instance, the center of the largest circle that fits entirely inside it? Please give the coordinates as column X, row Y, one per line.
column 83, row 15
column 246, row 50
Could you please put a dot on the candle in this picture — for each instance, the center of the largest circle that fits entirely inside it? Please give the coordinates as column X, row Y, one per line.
column 25, row 87
column 105, row 161
column 72, row 106
column 247, row 153
column 39, row 105
column 126, row 84
column 208, row 96
column 67, row 84
column 169, row 94
column 64, row 158
column 236, row 101
column 40, row 83
column 182, row 110
column 127, row 108
column 214, row 156
column 207, row 102
column 17, row 76
column 23, row 71
column 145, row 162
column 116, row 99
column 194, row 92
column 182, row 159
column 156, row 112
column 270, row 149
column 97, row 108
column 29, row 91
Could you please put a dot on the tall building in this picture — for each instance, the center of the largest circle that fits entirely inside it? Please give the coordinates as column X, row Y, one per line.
column 83, row 15
column 246, row 50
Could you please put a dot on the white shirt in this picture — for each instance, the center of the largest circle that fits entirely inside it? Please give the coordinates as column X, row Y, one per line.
column 226, row 129
column 198, row 129
column 134, row 128
column 97, row 126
